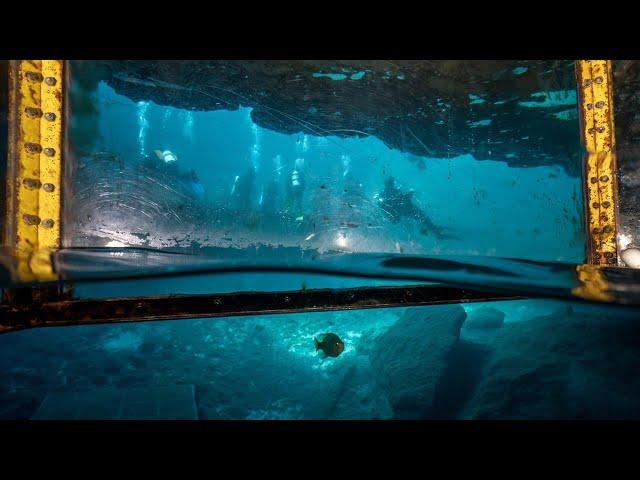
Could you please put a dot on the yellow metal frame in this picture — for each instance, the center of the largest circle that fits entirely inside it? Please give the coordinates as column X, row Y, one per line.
column 598, row 137
column 36, row 147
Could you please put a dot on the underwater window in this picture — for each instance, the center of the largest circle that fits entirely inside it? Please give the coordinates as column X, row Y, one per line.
column 290, row 161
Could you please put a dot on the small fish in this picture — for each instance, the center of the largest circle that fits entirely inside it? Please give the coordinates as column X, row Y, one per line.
column 329, row 343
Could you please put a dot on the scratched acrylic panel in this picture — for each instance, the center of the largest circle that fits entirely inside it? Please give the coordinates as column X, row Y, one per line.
column 412, row 157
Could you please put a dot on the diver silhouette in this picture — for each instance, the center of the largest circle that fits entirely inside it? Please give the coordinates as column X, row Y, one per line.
column 398, row 204
column 295, row 188
column 243, row 187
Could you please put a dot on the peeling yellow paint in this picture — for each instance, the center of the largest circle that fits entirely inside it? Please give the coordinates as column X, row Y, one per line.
column 598, row 137
column 39, row 114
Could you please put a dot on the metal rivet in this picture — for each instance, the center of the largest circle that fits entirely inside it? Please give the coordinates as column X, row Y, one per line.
column 597, row 256
column 597, row 230
column 591, row 131
column 50, row 116
column 49, row 152
column 607, row 229
column 217, row 301
column 595, row 205
column 48, row 187
column 287, row 299
column 33, row 76
column 599, row 104
column 594, row 179
column 604, row 178
column 589, row 106
column 598, row 80
column 32, row 148
column 600, row 129
column 33, row 112
column 606, row 204
column 31, row 183
column 587, row 83
column 31, row 219
column 50, row 81
column 47, row 223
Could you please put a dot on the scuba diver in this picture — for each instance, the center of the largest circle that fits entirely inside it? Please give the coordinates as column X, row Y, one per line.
column 269, row 199
column 242, row 188
column 193, row 184
column 164, row 161
column 398, row 204
column 295, row 189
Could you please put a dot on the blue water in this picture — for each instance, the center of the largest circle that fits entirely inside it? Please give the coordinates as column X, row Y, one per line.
column 485, row 207
column 516, row 359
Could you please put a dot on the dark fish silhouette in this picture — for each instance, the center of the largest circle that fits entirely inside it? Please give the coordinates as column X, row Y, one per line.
column 329, row 343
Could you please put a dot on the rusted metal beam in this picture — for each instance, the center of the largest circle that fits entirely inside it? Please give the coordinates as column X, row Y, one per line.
column 34, row 165
column 594, row 78
column 16, row 316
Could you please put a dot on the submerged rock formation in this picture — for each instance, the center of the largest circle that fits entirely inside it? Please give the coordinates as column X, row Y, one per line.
column 410, row 359
column 519, row 112
column 569, row 364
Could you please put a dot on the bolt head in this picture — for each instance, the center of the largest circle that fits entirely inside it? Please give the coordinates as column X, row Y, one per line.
column 33, row 112
column 31, row 219
column 49, row 152
column 33, row 76
column 47, row 223
column 48, row 187
column 50, row 116
column 51, row 81
column 32, row 147
column 31, row 183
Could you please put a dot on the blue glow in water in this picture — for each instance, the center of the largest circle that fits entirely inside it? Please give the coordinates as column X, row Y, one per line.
column 332, row 76
column 143, row 126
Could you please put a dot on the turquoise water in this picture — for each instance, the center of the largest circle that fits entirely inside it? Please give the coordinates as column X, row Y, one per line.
column 515, row 359
column 243, row 196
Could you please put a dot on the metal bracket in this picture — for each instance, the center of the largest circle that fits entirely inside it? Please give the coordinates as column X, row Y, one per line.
column 598, row 137
column 51, row 312
column 34, row 166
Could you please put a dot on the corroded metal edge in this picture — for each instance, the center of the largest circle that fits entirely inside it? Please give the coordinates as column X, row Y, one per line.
column 594, row 78
column 27, row 314
column 34, row 165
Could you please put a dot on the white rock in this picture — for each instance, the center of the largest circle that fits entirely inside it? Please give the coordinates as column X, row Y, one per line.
column 631, row 257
